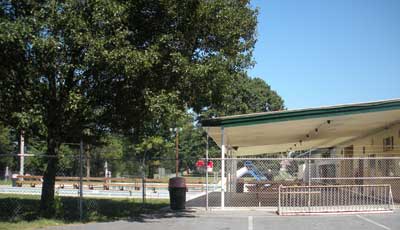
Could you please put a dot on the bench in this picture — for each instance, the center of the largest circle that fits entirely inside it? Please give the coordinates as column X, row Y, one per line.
column 91, row 182
column 121, row 183
column 61, row 182
column 31, row 180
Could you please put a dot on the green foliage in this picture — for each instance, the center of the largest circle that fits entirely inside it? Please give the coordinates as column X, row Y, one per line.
column 110, row 148
column 100, row 69
column 6, row 147
column 5, row 140
column 58, row 206
column 246, row 95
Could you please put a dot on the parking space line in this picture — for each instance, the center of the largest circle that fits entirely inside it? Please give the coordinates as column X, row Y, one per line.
column 250, row 223
column 373, row 222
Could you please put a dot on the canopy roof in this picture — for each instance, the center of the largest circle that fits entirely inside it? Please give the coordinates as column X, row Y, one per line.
column 302, row 129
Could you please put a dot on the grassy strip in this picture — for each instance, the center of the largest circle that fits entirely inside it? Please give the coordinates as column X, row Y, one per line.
column 5, row 182
column 21, row 211
column 30, row 224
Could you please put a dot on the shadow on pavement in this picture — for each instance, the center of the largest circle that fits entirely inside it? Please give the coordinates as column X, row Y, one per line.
column 163, row 214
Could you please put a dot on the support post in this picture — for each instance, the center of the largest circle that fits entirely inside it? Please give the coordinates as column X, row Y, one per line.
column 143, row 190
column 309, row 181
column 81, row 181
column 144, row 182
column 21, row 153
column 106, row 169
column 222, row 168
column 228, row 173
column 177, row 152
column 234, row 170
column 207, row 172
column 279, row 200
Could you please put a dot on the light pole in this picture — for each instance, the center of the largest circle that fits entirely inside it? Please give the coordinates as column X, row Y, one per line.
column 176, row 130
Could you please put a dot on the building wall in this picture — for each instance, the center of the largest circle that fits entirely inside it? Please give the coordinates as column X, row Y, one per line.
column 372, row 146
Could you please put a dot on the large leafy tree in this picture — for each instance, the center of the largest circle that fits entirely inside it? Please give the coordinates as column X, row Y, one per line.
column 48, row 70
column 188, row 55
column 132, row 67
column 191, row 49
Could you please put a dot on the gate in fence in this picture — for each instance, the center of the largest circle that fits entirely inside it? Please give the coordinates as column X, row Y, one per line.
column 334, row 198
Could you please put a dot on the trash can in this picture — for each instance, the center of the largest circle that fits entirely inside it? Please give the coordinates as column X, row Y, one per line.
column 14, row 178
column 177, row 193
column 240, row 186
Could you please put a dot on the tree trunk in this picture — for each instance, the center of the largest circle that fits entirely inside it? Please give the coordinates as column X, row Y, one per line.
column 47, row 207
column 54, row 119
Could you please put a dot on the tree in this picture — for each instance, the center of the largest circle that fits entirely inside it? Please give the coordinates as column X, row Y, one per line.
column 246, row 95
column 192, row 49
column 127, row 67
column 48, row 66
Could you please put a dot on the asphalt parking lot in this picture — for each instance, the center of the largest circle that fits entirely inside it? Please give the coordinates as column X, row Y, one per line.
column 249, row 220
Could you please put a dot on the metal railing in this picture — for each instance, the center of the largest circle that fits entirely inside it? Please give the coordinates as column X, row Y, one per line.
column 334, row 199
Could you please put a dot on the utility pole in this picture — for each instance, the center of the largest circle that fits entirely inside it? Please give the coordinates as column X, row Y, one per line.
column 106, row 169
column 21, row 152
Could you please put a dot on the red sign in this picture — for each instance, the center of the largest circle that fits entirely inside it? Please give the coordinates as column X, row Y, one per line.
column 200, row 163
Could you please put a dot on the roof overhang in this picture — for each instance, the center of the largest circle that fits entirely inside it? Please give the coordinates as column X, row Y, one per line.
column 324, row 127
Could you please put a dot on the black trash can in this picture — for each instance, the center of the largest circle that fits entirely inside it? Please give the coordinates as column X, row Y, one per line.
column 177, row 193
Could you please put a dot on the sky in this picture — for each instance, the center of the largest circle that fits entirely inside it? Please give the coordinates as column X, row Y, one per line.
column 328, row 52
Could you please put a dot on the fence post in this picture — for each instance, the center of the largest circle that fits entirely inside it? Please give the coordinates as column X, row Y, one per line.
column 207, row 172
column 143, row 191
column 80, row 181
column 279, row 200
column 222, row 168
column 309, row 180
column 143, row 182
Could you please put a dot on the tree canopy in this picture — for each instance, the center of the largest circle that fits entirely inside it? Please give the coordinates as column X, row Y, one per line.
column 90, row 69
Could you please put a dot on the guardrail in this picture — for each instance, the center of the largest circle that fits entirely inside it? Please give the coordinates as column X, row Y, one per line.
column 294, row 200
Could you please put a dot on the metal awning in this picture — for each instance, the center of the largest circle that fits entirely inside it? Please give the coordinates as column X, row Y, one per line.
column 302, row 129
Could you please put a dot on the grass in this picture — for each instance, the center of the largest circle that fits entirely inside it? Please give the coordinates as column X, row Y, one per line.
column 21, row 211
column 29, row 224
column 5, row 182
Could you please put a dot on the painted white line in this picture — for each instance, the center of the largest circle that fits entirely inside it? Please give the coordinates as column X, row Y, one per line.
column 250, row 223
column 373, row 222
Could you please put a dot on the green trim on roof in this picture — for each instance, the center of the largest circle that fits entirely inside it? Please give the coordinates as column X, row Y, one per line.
column 290, row 115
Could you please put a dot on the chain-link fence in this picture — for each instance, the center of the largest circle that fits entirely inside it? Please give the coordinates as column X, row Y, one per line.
column 257, row 182
column 91, row 187
column 95, row 187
